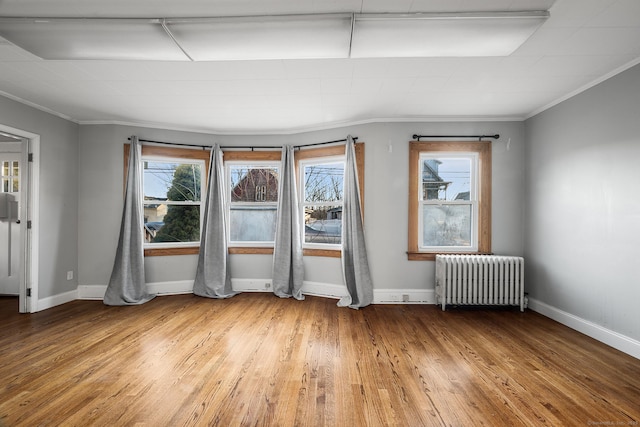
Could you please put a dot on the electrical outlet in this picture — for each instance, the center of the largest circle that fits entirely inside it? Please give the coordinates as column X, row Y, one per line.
column 405, row 298
column 267, row 285
column 70, row 275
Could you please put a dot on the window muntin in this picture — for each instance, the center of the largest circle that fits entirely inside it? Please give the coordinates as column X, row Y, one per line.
column 448, row 201
column 172, row 201
column 322, row 196
column 252, row 202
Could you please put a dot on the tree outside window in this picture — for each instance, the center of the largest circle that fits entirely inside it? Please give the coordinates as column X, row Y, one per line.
column 172, row 201
column 322, row 202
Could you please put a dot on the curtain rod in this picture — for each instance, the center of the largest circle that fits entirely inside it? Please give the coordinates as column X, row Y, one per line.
column 175, row 144
column 417, row 137
column 245, row 147
column 250, row 147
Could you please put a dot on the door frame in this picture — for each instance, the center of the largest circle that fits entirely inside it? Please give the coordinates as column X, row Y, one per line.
column 29, row 260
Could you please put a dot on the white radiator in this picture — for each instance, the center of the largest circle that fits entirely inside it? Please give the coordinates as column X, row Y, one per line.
column 480, row 280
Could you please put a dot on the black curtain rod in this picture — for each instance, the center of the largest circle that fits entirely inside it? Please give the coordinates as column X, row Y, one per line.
column 250, row 147
column 175, row 144
column 417, row 137
column 355, row 138
column 245, row 147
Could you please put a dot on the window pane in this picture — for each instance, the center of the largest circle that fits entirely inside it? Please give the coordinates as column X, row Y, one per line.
column 252, row 223
column 446, row 225
column 446, row 178
column 5, row 168
column 5, row 185
column 324, row 182
column 16, row 169
column 253, row 184
column 16, row 185
column 171, row 223
column 323, row 224
column 171, row 181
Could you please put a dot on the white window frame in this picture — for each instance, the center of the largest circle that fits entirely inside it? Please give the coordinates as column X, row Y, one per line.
column 325, row 160
column 472, row 202
column 203, row 185
column 248, row 163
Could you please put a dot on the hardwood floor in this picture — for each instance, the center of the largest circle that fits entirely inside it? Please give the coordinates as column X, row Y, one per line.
column 256, row 359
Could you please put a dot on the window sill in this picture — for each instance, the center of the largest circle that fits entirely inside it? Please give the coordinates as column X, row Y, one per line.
column 248, row 250
column 431, row 256
column 195, row 250
column 192, row 250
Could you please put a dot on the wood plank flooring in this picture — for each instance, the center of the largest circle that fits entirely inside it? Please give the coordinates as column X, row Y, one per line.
column 258, row 360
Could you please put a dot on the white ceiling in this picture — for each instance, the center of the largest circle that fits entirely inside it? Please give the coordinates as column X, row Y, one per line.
column 583, row 42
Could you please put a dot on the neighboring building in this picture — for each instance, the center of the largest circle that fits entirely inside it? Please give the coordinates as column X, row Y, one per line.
column 156, row 212
column 335, row 213
column 258, row 185
column 432, row 183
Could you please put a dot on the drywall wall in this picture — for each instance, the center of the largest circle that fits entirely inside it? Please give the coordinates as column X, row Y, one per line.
column 58, row 250
column 386, row 200
column 582, row 205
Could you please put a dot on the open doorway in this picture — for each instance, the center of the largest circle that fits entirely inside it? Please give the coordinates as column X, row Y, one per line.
column 18, row 238
column 10, row 218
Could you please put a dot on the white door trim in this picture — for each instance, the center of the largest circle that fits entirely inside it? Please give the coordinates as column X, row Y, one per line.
column 31, row 242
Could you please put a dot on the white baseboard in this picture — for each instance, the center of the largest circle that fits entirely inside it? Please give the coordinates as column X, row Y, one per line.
column 251, row 285
column 55, row 300
column 170, row 288
column 614, row 339
column 404, row 296
column 327, row 290
column 96, row 292
column 91, row 292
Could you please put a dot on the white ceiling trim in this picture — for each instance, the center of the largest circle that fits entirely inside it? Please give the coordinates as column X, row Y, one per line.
column 583, row 88
column 38, row 107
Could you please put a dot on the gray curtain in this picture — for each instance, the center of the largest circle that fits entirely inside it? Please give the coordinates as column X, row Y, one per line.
column 127, row 284
column 355, row 265
column 213, row 278
column 288, row 269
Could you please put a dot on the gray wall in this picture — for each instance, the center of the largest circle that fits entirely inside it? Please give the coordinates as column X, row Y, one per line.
column 583, row 204
column 58, row 251
column 386, row 200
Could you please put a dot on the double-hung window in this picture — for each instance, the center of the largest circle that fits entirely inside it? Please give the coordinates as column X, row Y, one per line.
column 321, row 201
column 251, row 181
column 172, row 201
column 253, row 202
column 450, row 198
column 321, row 189
column 174, row 188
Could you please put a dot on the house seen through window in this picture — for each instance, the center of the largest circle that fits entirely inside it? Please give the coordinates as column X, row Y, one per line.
column 253, row 203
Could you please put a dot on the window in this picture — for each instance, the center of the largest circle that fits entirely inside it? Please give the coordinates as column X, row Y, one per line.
column 253, row 203
column 321, row 201
column 252, row 179
column 172, row 201
column 10, row 176
column 321, row 187
column 174, row 184
column 450, row 198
